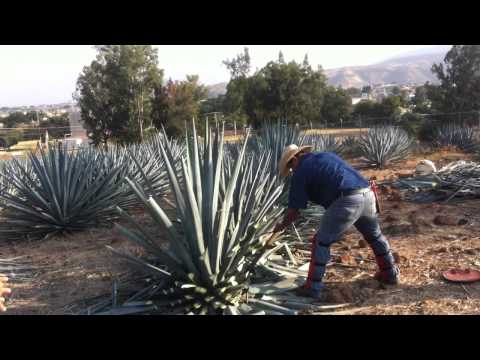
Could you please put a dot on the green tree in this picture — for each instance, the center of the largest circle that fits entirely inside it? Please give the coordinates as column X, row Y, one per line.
column 234, row 101
column 395, row 91
column 459, row 76
column 421, row 100
column 337, row 105
column 372, row 113
column 239, row 66
column 10, row 137
column 390, row 107
column 177, row 102
column 58, row 126
column 212, row 105
column 305, row 63
column 367, row 109
column 115, row 92
column 292, row 92
column 15, row 119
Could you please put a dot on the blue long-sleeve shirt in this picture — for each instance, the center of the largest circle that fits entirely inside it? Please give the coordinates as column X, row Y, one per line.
column 320, row 177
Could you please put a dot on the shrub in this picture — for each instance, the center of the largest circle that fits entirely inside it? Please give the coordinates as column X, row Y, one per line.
column 412, row 124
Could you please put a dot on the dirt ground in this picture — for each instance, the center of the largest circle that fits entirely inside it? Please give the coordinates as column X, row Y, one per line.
column 80, row 266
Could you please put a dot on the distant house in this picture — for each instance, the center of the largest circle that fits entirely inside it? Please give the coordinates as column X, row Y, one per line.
column 356, row 100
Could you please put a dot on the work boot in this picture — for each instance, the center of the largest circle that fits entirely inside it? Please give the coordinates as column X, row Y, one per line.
column 388, row 277
column 304, row 291
column 388, row 272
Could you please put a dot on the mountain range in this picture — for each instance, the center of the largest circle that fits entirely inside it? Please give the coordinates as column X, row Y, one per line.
column 412, row 67
column 408, row 68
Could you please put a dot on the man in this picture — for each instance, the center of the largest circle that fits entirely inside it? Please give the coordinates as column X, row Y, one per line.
column 326, row 179
column 3, row 291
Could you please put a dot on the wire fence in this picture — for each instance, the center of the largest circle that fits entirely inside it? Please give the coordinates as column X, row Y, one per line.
column 361, row 124
column 340, row 127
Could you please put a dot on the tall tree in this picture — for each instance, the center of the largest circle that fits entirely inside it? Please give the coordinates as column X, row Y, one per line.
column 115, row 92
column 395, row 91
column 459, row 76
column 366, row 110
column 292, row 92
column 239, row 66
column 390, row 107
column 305, row 61
column 177, row 102
column 234, row 101
column 421, row 99
column 337, row 105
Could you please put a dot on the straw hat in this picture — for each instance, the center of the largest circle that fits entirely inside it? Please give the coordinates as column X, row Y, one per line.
column 289, row 152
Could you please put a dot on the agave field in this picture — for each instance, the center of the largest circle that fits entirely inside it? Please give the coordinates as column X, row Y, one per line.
column 217, row 203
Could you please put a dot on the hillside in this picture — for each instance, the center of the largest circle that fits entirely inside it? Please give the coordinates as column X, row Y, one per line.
column 217, row 89
column 414, row 67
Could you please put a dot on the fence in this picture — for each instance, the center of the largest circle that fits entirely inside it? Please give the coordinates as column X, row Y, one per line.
column 351, row 127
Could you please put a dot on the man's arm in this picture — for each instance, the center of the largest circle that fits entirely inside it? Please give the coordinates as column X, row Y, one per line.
column 297, row 199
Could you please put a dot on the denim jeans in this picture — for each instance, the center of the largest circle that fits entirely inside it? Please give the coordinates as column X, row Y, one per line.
column 358, row 210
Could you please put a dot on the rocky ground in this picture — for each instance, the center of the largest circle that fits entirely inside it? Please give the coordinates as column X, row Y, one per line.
column 426, row 238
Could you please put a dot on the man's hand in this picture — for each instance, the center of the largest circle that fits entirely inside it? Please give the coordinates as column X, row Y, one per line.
column 4, row 290
column 290, row 216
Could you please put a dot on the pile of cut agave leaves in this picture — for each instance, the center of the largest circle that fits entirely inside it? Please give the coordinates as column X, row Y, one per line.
column 279, row 271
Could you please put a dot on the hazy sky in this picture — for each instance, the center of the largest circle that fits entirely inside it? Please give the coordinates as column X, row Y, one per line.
column 46, row 74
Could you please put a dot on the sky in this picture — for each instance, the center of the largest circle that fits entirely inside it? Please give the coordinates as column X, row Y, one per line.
column 47, row 74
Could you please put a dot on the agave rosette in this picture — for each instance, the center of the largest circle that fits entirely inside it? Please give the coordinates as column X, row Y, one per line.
column 223, row 205
column 465, row 138
column 324, row 143
column 58, row 192
column 382, row 146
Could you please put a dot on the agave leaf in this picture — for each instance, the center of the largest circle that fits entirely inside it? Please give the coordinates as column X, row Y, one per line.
column 154, row 270
column 227, row 203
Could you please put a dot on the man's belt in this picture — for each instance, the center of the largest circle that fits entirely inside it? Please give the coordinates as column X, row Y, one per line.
column 354, row 192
